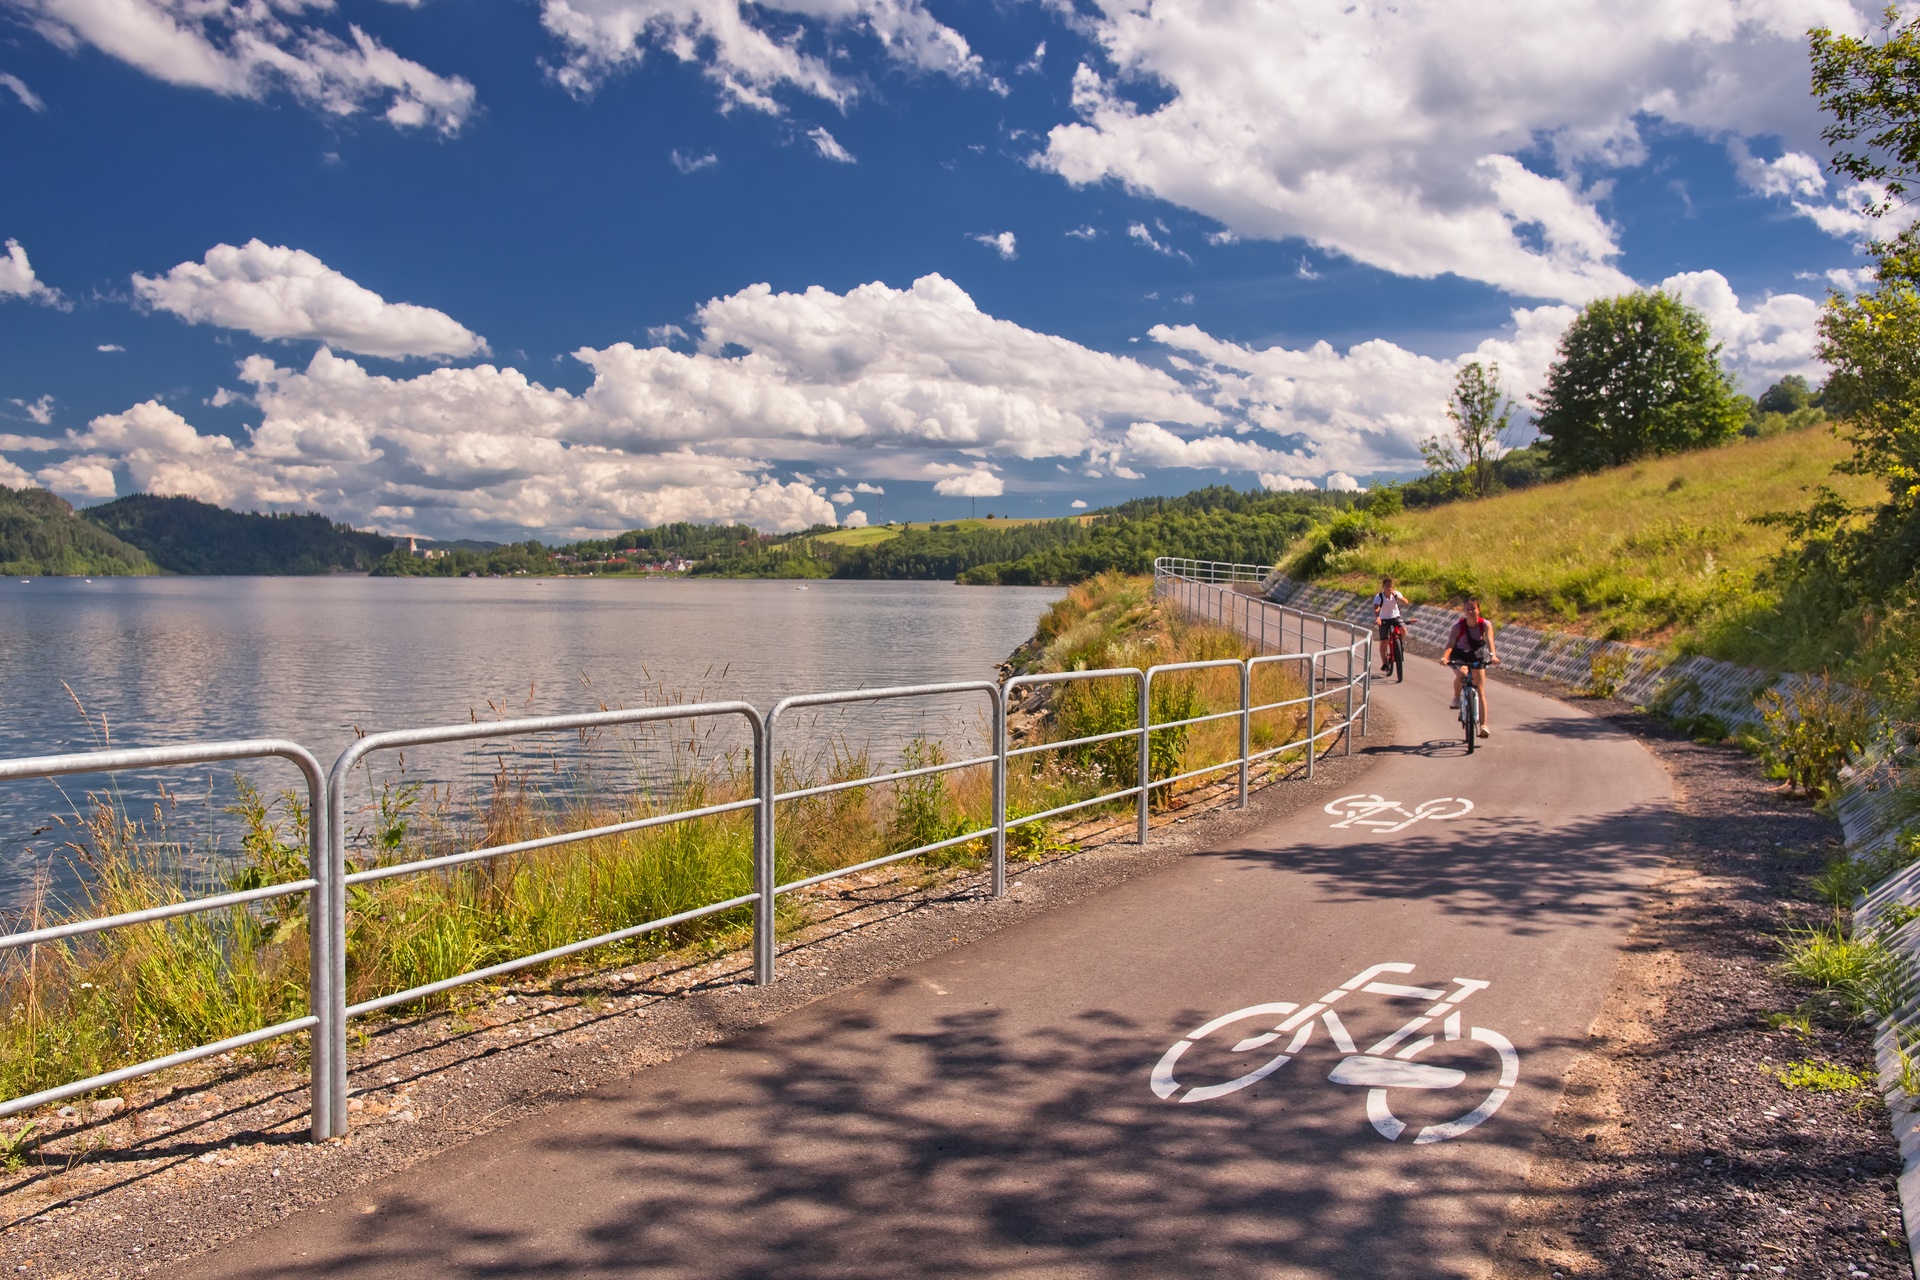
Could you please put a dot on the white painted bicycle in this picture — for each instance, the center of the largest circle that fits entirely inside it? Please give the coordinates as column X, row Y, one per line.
column 1374, row 1070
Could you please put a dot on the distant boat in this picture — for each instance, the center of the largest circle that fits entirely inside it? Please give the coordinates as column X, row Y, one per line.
column 86, row 579
column 799, row 588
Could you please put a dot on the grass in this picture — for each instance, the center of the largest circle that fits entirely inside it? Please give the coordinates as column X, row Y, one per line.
column 1821, row 1077
column 882, row 533
column 72, row 1009
column 1662, row 550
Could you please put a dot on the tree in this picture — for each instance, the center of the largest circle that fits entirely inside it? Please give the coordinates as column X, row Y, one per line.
column 1481, row 416
column 1789, row 395
column 1637, row 375
column 1872, row 92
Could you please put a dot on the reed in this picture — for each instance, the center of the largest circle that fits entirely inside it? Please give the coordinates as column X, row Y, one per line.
column 75, row 1008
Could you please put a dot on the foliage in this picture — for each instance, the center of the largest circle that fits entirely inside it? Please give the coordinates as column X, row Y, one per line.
column 528, row 557
column 1605, row 671
column 1821, row 1077
column 41, row 535
column 1637, row 375
column 1481, row 416
column 1872, row 93
column 1807, row 734
column 185, row 535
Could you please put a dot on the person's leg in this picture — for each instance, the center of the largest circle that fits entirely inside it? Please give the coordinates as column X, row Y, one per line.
column 1459, row 683
column 1480, row 685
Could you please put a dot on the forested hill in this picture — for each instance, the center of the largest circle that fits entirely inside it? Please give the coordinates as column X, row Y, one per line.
column 40, row 536
column 184, row 535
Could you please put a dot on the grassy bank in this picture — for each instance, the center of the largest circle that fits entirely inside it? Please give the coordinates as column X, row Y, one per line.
column 1660, row 551
column 68, row 1010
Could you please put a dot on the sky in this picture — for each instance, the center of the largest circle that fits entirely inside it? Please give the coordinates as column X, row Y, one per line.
column 559, row 268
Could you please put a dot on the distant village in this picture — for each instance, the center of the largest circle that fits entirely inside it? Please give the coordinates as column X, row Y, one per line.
column 630, row 560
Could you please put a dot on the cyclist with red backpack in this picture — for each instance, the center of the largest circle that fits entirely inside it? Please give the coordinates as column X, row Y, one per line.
column 1470, row 651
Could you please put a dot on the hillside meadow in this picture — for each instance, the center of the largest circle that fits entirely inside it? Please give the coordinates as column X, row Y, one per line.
column 1661, row 551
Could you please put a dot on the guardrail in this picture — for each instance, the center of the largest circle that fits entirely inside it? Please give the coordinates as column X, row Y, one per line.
column 1195, row 586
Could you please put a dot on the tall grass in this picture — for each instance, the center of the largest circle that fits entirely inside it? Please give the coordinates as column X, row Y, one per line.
column 1660, row 550
column 75, row 1008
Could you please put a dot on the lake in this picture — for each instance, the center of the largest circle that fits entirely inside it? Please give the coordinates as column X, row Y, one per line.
column 169, row 660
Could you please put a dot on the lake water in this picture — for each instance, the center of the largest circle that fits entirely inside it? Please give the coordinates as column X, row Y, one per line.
column 170, row 660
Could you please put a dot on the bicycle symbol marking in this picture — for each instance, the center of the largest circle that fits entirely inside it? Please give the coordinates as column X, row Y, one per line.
column 1372, row 1070
column 1388, row 816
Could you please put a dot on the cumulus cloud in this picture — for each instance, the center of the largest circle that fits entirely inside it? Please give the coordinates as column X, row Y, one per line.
column 864, row 487
column 272, row 291
column 749, row 51
column 1002, row 244
column 18, row 87
column 978, row 483
column 38, row 411
column 1387, row 134
column 247, row 49
column 829, row 146
column 854, row 519
column 1276, row 482
column 14, row 476
column 1078, row 504
column 18, row 281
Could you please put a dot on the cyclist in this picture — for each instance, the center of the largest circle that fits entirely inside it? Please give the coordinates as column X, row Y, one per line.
column 1471, row 644
column 1386, row 616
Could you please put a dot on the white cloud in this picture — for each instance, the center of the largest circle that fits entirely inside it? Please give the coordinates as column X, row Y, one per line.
column 38, row 411
column 1764, row 343
column 30, row 444
column 247, row 48
column 979, row 483
column 14, row 477
column 274, row 292
column 1222, row 237
column 1305, row 270
column 1341, row 482
column 1274, row 482
column 854, row 519
column 1152, row 445
column 1078, row 504
column 1003, row 244
column 18, row 281
column 751, row 52
column 864, row 487
column 28, row 98
column 1392, row 134
column 1083, row 233
column 829, row 146
column 690, row 163
column 1038, row 62
column 666, row 334
column 110, row 347
column 1139, row 231
column 842, row 498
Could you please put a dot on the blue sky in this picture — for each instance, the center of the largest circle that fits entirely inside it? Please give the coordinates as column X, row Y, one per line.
column 468, row 268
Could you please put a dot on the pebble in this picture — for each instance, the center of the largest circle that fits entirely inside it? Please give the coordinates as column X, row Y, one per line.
column 107, row 1106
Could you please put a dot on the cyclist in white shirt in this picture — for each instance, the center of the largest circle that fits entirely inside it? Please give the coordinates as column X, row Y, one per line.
column 1387, row 604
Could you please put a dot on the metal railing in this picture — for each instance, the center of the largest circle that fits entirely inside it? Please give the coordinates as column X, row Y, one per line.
column 1334, row 672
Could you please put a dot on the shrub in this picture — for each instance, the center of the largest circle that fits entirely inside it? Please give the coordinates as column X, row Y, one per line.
column 1808, row 734
column 1606, row 669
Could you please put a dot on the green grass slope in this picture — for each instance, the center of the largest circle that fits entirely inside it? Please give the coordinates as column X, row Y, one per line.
column 1660, row 551
column 41, row 536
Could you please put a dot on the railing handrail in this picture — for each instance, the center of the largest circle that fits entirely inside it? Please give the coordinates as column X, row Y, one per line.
column 1332, row 670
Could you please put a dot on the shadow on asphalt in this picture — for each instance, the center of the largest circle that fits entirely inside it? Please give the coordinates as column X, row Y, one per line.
column 1523, row 877
column 974, row 1149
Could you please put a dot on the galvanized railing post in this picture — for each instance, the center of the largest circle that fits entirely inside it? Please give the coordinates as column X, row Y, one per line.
column 1366, row 687
column 1346, row 734
column 1000, row 793
column 329, row 919
column 1146, row 729
column 1246, row 725
column 1313, row 705
column 765, row 941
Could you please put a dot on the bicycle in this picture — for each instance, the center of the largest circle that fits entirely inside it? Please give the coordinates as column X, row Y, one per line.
column 1371, row 1070
column 1470, row 715
column 1397, row 650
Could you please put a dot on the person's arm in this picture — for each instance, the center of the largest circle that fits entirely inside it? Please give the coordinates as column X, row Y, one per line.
column 1492, row 657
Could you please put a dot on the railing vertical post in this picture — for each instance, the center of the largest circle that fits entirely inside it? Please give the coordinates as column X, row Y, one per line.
column 1366, row 687
column 1246, row 725
column 1346, row 734
column 1146, row 730
column 1000, row 794
column 332, row 921
column 1313, row 705
column 764, row 942
column 322, row 938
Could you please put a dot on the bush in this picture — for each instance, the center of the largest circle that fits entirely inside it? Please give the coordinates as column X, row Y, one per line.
column 1606, row 669
column 1808, row 734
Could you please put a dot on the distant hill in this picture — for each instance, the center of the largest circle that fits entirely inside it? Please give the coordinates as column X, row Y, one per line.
column 184, row 535
column 41, row 536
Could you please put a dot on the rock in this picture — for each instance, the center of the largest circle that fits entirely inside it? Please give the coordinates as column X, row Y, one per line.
column 356, row 1104
column 107, row 1106
column 67, row 1112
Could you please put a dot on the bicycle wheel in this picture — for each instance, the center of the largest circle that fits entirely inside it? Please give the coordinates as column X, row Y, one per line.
column 1470, row 713
column 1380, row 1112
column 1399, row 661
column 1166, row 1084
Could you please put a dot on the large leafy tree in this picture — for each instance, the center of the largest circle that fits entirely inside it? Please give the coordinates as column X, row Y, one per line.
column 1637, row 375
column 1871, row 94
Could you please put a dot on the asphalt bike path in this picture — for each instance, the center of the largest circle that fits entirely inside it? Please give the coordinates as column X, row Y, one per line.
column 1324, row 1051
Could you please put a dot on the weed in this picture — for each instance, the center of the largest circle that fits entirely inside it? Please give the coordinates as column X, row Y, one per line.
column 1820, row 1077
column 1797, row 1022
column 15, row 1147
column 1862, row 974
column 1606, row 669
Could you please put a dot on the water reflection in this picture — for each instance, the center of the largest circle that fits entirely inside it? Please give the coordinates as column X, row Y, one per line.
column 154, row 661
